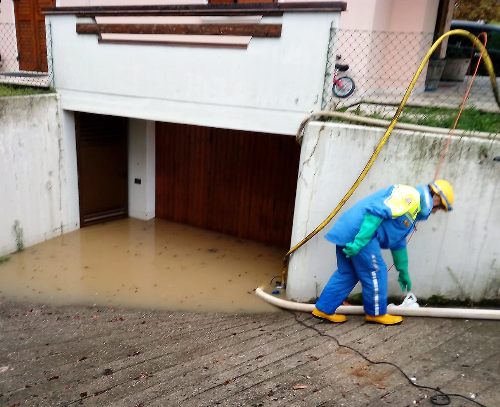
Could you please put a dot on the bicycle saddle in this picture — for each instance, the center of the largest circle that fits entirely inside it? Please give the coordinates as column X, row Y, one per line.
column 341, row 67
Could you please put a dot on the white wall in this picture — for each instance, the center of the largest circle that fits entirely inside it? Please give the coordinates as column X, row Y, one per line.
column 37, row 186
column 269, row 87
column 453, row 254
column 69, row 168
column 141, row 165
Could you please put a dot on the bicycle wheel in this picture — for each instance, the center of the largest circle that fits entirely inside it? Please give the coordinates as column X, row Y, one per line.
column 343, row 87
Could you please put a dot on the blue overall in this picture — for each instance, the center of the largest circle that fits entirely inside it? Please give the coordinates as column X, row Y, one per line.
column 368, row 266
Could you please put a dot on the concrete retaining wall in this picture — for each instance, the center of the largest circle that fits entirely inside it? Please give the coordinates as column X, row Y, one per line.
column 454, row 254
column 34, row 188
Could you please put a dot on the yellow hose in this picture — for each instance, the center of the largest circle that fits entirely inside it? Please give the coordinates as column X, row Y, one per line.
column 489, row 66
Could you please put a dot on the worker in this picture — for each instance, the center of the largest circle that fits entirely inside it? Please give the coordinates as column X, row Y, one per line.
column 382, row 220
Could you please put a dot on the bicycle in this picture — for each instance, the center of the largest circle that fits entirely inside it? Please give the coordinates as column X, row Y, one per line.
column 342, row 86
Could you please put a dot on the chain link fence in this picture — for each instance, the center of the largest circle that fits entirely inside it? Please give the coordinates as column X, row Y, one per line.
column 382, row 65
column 25, row 58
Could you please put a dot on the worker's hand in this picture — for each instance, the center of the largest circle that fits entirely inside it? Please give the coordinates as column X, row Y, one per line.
column 400, row 258
column 404, row 280
column 352, row 249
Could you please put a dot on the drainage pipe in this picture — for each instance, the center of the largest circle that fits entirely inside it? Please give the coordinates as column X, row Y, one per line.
column 386, row 123
column 393, row 310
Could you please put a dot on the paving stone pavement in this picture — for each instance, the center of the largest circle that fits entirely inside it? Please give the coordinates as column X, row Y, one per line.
column 68, row 356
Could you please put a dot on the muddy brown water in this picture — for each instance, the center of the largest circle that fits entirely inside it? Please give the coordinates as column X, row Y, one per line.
column 152, row 264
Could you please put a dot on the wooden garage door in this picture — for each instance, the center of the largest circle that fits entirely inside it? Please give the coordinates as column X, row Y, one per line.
column 239, row 183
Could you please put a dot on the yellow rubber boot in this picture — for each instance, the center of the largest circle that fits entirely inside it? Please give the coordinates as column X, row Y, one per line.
column 384, row 319
column 333, row 318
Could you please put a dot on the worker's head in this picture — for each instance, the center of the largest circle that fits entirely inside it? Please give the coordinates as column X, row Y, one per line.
column 442, row 195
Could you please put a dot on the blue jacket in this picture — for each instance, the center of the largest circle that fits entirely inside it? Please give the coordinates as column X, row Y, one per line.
column 400, row 207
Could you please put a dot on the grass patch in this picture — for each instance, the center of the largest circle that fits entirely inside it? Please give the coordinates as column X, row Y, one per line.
column 17, row 90
column 471, row 118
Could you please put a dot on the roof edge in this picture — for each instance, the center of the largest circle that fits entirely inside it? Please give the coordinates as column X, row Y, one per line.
column 202, row 9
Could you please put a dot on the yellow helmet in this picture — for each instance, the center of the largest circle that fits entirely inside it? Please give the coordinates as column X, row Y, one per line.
column 445, row 191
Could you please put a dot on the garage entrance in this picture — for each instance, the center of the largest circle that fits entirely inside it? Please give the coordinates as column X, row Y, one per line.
column 235, row 182
column 102, row 160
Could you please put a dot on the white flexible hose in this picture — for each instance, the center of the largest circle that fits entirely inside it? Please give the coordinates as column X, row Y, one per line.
column 386, row 123
column 393, row 310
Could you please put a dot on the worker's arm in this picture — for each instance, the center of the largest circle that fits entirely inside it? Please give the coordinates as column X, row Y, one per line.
column 368, row 227
column 400, row 258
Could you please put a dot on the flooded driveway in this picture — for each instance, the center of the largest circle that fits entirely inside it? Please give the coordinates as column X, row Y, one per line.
column 152, row 264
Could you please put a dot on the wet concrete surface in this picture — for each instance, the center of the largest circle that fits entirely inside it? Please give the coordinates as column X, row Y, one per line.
column 65, row 355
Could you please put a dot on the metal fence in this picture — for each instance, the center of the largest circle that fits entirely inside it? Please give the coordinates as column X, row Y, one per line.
column 25, row 57
column 382, row 65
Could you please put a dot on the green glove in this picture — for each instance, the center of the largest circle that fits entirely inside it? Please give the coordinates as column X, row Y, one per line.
column 400, row 258
column 368, row 227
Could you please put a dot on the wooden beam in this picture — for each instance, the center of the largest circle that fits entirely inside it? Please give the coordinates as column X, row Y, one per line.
column 175, row 43
column 254, row 30
column 267, row 9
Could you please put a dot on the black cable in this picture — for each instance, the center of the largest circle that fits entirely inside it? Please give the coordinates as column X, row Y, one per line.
column 273, row 279
column 441, row 399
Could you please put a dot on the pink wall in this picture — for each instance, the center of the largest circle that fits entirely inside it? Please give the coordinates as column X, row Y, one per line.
column 377, row 33
column 418, row 16
column 7, row 11
column 8, row 47
column 390, row 15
